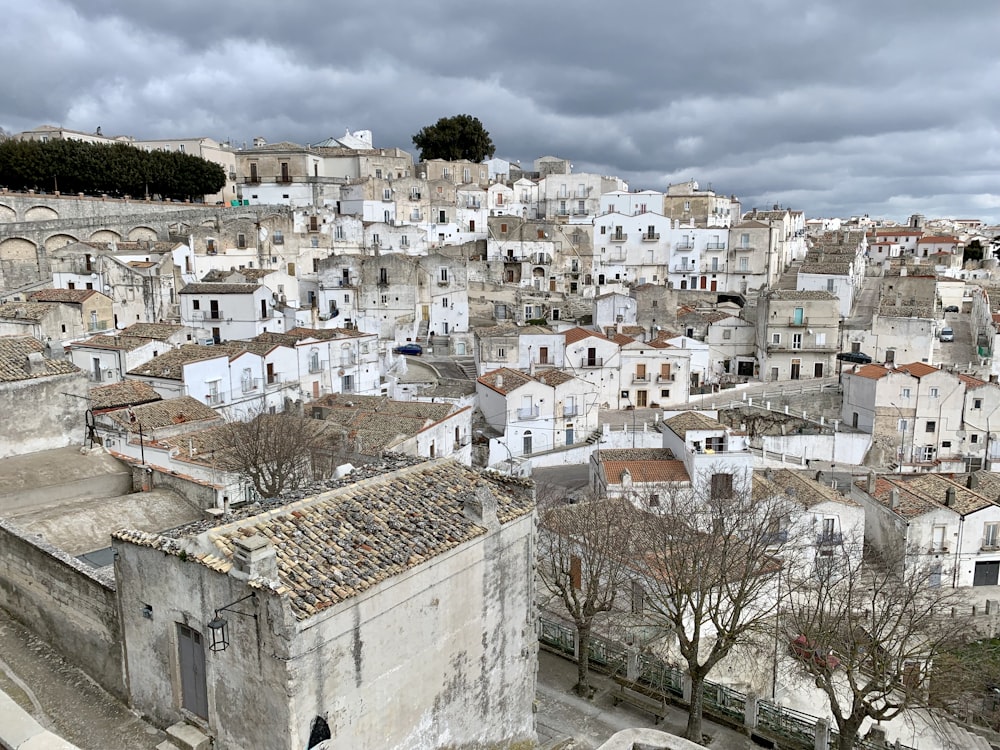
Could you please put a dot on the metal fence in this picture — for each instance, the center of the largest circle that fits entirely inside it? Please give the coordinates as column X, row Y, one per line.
column 720, row 701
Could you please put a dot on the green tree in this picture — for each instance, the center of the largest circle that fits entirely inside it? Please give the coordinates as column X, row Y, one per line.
column 455, row 138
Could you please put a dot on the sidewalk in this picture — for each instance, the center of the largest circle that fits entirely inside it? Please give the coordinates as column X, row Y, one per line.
column 564, row 717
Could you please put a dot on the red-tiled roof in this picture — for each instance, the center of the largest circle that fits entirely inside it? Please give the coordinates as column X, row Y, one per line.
column 579, row 334
column 917, row 369
column 873, row 372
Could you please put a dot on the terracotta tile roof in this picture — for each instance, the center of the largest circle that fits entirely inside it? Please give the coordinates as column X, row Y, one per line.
column 379, row 422
column 170, row 364
column 215, row 288
column 158, row 331
column 124, row 393
column 574, row 335
column 795, row 294
column 166, row 413
column 553, row 377
column 630, row 331
column 28, row 311
column 937, row 240
column 644, row 465
column 872, row 371
column 804, row 489
column 118, row 343
column 621, row 339
column 504, row 380
column 917, row 369
column 14, row 351
column 337, row 544
column 922, row 493
column 682, row 423
column 971, row 382
column 72, row 296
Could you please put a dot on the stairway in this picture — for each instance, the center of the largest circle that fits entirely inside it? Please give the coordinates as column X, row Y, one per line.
column 575, row 307
column 468, row 367
column 422, row 330
column 184, row 736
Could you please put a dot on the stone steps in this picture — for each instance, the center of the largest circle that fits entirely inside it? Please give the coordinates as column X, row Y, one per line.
column 184, row 736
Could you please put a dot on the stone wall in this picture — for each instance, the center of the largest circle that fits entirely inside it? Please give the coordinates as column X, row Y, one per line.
column 42, row 413
column 65, row 602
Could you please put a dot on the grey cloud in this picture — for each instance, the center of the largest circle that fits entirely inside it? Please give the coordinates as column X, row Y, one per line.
column 834, row 108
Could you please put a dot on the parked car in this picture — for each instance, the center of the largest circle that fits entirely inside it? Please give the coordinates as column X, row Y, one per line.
column 857, row 357
column 951, row 308
column 412, row 349
column 802, row 648
column 946, row 335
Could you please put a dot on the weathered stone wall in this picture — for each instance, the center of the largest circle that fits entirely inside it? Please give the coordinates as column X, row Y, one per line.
column 65, row 602
column 42, row 413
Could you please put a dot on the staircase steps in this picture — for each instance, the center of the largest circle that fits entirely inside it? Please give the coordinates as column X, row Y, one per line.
column 187, row 737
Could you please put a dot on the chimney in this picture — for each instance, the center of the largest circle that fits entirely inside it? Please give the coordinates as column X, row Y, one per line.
column 870, row 487
column 35, row 364
column 973, row 481
column 499, row 381
column 531, row 368
column 950, row 496
column 481, row 508
column 254, row 557
column 894, row 498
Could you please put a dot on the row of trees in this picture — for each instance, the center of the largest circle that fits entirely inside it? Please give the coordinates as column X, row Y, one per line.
column 116, row 169
column 712, row 577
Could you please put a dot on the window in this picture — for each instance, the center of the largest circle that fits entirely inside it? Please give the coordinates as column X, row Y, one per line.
column 974, row 438
column 727, row 333
column 945, row 443
column 934, row 392
column 937, row 539
column 241, row 240
column 378, row 174
column 904, row 393
column 722, row 486
column 277, row 237
column 991, row 535
column 796, row 341
column 665, row 393
column 903, row 425
column 977, row 403
column 775, row 338
column 196, row 304
column 745, row 240
column 444, row 302
column 503, row 229
column 687, row 205
column 404, row 241
column 820, row 339
column 931, row 426
column 444, row 274
column 501, row 353
column 744, row 264
column 829, row 285
column 386, row 194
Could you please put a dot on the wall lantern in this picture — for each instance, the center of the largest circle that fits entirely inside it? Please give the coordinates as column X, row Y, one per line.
column 219, row 626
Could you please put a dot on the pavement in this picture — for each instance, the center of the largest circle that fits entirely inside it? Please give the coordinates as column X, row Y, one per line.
column 567, row 721
column 63, row 699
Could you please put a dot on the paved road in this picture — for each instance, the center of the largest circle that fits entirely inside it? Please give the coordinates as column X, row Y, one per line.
column 962, row 350
column 63, row 699
column 864, row 304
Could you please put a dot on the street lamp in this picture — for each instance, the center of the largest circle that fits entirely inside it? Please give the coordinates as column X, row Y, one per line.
column 628, row 397
column 136, row 421
column 902, row 433
column 510, row 456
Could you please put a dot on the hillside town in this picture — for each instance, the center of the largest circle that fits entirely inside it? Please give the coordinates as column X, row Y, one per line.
column 335, row 456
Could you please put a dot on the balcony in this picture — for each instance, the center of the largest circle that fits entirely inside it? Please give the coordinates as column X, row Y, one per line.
column 316, row 365
column 640, row 378
column 414, row 196
column 570, row 411
column 618, row 237
column 712, row 268
column 213, row 315
column 684, row 269
column 100, row 325
column 444, row 282
column 650, row 236
column 683, row 247
column 214, row 399
column 273, row 380
column 798, row 322
column 990, row 544
column 528, row 413
column 715, row 246
column 830, row 538
column 580, row 212
column 668, row 378
column 249, row 385
column 591, row 362
column 744, row 249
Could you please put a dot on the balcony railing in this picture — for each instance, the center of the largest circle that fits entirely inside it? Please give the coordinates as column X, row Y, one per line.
column 684, row 246
column 316, row 366
column 528, row 413
column 684, row 269
column 990, row 544
column 650, row 236
column 570, row 411
column 562, row 212
column 100, row 325
column 273, row 380
column 640, row 378
column 829, row 538
column 668, row 378
column 249, row 385
column 618, row 237
column 592, row 362
column 213, row 315
column 214, row 399
column 709, row 268
column 715, row 246
column 798, row 322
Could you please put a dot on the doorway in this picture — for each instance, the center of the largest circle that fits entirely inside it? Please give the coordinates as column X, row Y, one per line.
column 986, row 573
column 818, row 370
column 796, row 369
column 191, row 656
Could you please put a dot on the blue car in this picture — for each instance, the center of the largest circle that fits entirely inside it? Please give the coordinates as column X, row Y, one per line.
column 413, row 349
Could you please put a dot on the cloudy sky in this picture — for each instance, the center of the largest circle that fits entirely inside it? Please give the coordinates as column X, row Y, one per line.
column 888, row 108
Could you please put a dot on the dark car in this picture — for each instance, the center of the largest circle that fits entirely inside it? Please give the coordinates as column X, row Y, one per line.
column 951, row 308
column 414, row 349
column 857, row 357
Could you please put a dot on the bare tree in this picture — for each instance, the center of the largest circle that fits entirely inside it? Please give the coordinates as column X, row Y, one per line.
column 583, row 561
column 711, row 562
column 867, row 629
column 277, row 453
